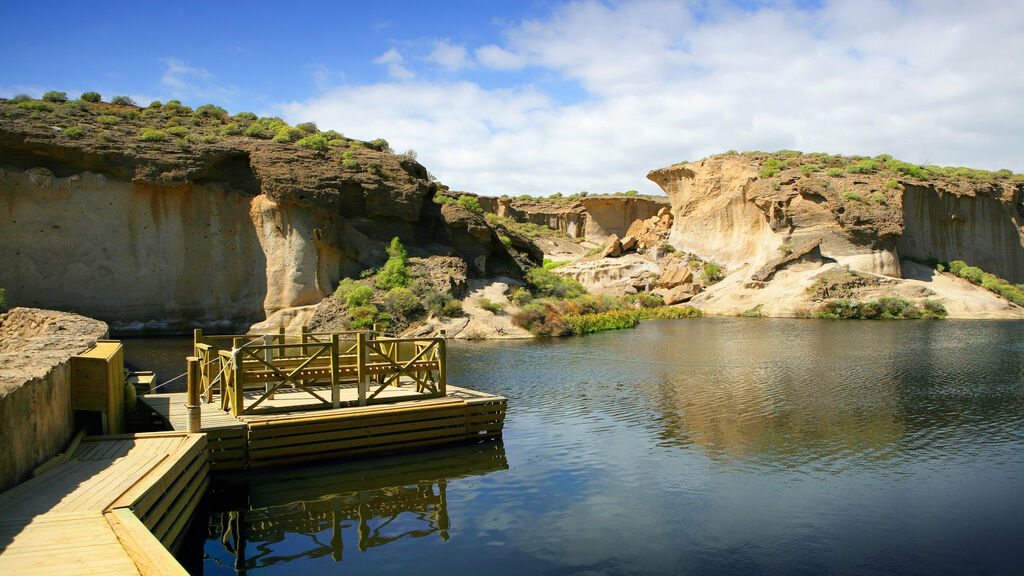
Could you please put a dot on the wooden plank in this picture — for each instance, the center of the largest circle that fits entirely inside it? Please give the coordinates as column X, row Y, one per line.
column 291, row 428
column 149, row 555
column 350, row 445
column 167, row 498
column 375, row 429
column 144, row 493
column 178, row 515
column 348, row 453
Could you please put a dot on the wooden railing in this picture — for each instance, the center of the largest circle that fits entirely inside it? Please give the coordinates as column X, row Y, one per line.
column 309, row 362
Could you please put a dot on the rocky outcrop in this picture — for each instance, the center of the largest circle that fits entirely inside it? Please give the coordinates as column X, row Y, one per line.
column 35, row 385
column 169, row 234
column 607, row 215
column 726, row 210
column 594, row 218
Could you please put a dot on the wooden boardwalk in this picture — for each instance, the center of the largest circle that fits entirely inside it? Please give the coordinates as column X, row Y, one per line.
column 293, row 430
column 114, row 507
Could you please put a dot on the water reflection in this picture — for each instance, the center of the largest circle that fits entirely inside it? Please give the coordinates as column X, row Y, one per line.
column 281, row 517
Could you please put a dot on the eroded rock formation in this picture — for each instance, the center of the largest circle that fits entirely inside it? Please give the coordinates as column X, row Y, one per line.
column 171, row 234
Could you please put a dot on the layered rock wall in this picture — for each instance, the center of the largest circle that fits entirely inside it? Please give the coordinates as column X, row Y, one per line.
column 607, row 215
column 137, row 255
column 725, row 210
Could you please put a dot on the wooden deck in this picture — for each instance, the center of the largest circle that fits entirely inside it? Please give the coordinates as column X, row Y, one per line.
column 116, row 506
column 293, row 430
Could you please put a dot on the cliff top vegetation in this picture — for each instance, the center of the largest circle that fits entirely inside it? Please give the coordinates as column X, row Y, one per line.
column 89, row 118
column 838, row 165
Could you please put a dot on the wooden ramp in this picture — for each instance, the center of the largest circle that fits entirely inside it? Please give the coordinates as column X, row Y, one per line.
column 117, row 506
column 294, row 431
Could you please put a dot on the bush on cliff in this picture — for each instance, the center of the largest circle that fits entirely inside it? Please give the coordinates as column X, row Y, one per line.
column 90, row 96
column 3, row 300
column 396, row 270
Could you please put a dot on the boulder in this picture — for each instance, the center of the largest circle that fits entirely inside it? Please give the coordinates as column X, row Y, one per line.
column 628, row 243
column 675, row 276
column 676, row 295
column 612, row 247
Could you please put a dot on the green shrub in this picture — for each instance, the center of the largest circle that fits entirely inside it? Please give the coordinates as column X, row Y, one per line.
column 670, row 313
column 151, row 135
column 376, row 169
column 892, row 183
column 37, row 105
column 768, row 172
column 232, row 129
column 19, row 98
column 90, row 96
column 548, row 283
column 933, row 309
column 972, row 274
column 878, row 198
column 712, row 272
column 395, row 273
column 55, row 97
column 307, row 127
column 314, row 142
column 352, row 164
column 808, row 169
column 452, row 309
column 786, row 248
column 521, row 297
column 956, row 266
column 670, row 249
column 210, row 139
column 402, row 302
column 246, row 116
column 852, row 196
column 380, row 145
column 74, row 132
column 155, row 104
column 552, row 264
column 834, row 172
column 177, row 130
column 610, row 320
column 645, row 300
column 490, row 306
column 211, row 111
column 122, row 100
column 3, row 300
column 363, row 316
column 257, row 131
column 347, row 287
column 288, row 134
column 866, row 166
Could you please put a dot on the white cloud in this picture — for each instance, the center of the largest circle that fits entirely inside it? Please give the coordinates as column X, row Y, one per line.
column 185, row 81
column 498, row 58
column 450, row 56
column 925, row 81
column 396, row 69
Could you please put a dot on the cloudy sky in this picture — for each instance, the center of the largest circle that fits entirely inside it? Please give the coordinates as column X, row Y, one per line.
column 549, row 96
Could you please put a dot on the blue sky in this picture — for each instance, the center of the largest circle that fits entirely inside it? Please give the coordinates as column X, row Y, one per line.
column 549, row 96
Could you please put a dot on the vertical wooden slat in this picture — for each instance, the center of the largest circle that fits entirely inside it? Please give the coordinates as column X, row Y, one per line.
column 238, row 399
column 442, row 367
column 362, row 377
column 335, row 393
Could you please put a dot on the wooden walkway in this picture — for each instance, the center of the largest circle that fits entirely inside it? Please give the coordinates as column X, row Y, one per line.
column 114, row 507
column 294, row 431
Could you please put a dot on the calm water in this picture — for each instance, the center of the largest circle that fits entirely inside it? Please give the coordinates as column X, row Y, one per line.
column 739, row 446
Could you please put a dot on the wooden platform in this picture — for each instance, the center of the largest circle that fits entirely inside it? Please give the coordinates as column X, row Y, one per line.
column 293, row 430
column 117, row 506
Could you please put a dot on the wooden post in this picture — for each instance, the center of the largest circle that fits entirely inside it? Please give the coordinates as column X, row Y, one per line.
column 303, row 338
column 442, row 367
column 362, row 378
column 194, row 424
column 335, row 393
column 197, row 338
column 238, row 398
column 281, row 340
column 268, row 357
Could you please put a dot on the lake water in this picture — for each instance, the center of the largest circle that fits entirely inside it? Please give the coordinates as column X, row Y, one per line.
column 729, row 446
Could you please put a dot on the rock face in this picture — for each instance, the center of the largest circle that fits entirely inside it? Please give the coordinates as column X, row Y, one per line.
column 35, row 385
column 594, row 218
column 162, row 236
column 724, row 210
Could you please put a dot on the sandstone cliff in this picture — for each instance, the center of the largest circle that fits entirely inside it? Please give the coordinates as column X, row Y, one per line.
column 875, row 216
column 161, row 219
column 593, row 218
